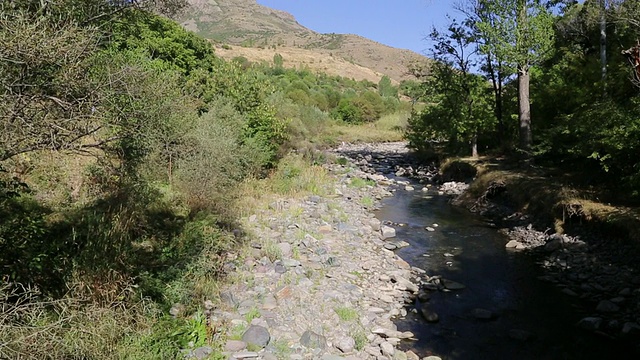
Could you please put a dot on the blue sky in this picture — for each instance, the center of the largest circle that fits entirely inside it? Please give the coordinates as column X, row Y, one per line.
column 398, row 23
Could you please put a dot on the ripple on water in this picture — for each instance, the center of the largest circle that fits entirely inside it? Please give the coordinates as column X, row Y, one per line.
column 502, row 283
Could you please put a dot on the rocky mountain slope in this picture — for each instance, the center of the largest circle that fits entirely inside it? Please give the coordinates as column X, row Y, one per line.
column 258, row 32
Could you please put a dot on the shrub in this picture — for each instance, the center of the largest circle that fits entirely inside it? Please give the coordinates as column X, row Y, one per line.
column 217, row 158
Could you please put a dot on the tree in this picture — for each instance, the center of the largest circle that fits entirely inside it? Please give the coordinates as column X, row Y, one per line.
column 603, row 38
column 491, row 63
column 47, row 56
column 460, row 112
column 385, row 88
column 278, row 61
column 522, row 34
column 46, row 101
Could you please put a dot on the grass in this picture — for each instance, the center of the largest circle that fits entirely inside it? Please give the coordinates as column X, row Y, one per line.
column 361, row 183
column 346, row 313
column 388, row 128
column 235, row 333
column 360, row 337
column 282, row 349
column 295, row 253
column 75, row 328
column 78, row 327
column 547, row 196
column 271, row 250
column 367, row 201
column 81, row 326
column 252, row 314
column 295, row 177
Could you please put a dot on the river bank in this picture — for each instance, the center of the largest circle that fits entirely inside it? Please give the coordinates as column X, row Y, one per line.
column 583, row 261
column 321, row 280
column 318, row 280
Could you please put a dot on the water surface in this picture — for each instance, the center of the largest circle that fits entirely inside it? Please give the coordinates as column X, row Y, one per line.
column 502, row 281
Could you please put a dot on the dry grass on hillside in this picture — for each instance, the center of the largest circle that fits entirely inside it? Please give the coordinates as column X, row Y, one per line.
column 299, row 58
column 248, row 23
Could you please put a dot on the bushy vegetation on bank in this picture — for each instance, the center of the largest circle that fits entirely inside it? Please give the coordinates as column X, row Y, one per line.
column 126, row 153
column 582, row 97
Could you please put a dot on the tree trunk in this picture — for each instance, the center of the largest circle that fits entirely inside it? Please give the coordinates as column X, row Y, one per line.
column 524, row 115
column 524, row 107
column 474, row 145
column 496, row 82
column 603, row 39
column 500, row 101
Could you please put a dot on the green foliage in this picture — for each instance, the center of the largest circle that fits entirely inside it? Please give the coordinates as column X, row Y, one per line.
column 215, row 157
column 154, row 108
column 27, row 254
column 360, row 338
column 385, row 88
column 360, row 183
column 520, row 33
column 295, row 175
column 141, row 119
column 346, row 313
column 43, row 77
column 252, row 314
column 460, row 109
column 348, row 112
column 163, row 41
column 168, row 337
column 412, row 89
column 248, row 94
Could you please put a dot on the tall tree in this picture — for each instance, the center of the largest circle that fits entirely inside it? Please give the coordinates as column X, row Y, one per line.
column 492, row 64
column 460, row 111
column 603, row 39
column 521, row 32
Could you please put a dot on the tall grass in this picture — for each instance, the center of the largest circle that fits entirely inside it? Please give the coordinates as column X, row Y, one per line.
column 295, row 176
column 35, row 327
column 388, row 128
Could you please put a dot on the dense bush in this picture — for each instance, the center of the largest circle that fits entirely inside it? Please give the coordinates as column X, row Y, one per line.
column 127, row 140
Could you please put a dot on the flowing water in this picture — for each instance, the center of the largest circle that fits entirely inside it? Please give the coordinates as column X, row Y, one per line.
column 465, row 250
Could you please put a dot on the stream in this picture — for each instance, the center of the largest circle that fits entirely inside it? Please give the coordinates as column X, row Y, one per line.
column 531, row 319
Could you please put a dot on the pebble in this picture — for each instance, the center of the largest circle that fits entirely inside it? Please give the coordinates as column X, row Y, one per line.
column 482, row 314
column 313, row 340
column 234, row 345
column 388, row 232
column 346, row 344
column 245, row 355
column 256, row 335
column 607, row 306
column 387, row 348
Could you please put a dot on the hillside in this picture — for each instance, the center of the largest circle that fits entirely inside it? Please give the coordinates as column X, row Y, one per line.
column 262, row 31
column 296, row 57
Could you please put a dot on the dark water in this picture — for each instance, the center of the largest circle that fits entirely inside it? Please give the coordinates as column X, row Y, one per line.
column 498, row 280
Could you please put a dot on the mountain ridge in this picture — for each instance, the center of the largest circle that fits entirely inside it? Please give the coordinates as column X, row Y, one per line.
column 247, row 29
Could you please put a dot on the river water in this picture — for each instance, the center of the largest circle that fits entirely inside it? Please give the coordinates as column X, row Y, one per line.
column 464, row 249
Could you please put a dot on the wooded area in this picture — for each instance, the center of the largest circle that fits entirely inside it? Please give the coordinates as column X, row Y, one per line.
column 559, row 67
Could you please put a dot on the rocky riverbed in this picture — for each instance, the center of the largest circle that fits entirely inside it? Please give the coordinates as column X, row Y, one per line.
column 321, row 280
column 601, row 271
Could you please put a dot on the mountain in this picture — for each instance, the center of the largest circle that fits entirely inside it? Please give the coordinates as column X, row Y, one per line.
column 256, row 32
